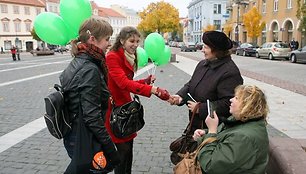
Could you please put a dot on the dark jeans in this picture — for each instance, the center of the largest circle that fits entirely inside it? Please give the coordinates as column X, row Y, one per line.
column 126, row 152
column 69, row 143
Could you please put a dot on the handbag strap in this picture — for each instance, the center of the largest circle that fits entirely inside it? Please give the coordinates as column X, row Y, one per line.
column 206, row 141
column 196, row 107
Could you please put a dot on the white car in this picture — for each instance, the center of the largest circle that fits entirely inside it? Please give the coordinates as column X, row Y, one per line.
column 273, row 50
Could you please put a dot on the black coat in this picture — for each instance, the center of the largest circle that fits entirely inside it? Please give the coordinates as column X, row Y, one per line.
column 213, row 80
column 84, row 76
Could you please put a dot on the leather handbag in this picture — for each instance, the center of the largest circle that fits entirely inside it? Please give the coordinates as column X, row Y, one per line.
column 189, row 164
column 184, row 143
column 127, row 119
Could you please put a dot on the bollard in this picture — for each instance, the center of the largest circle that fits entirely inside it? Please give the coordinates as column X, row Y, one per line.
column 173, row 58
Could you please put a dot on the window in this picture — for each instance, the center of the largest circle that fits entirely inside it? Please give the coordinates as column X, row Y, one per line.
column 38, row 11
column 17, row 26
column 289, row 4
column 50, row 8
column 27, row 10
column 28, row 27
column 4, row 8
column 217, row 8
column 217, row 23
column 6, row 27
column 275, row 5
column 264, row 6
column 7, row 44
column 16, row 9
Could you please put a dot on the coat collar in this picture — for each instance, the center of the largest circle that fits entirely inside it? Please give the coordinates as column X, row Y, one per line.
column 218, row 62
column 122, row 56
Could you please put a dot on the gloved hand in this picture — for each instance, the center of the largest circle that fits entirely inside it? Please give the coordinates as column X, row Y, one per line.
column 162, row 94
column 150, row 79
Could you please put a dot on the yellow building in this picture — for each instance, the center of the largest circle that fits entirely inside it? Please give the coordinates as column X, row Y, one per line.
column 279, row 16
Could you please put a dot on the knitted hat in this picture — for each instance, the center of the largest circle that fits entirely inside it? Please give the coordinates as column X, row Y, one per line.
column 217, row 40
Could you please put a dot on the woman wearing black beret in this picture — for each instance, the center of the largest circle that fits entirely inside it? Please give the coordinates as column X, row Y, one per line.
column 214, row 78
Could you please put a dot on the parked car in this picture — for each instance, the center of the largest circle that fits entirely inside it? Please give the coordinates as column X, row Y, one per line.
column 246, row 49
column 199, row 45
column 234, row 48
column 188, row 46
column 274, row 50
column 298, row 55
column 179, row 44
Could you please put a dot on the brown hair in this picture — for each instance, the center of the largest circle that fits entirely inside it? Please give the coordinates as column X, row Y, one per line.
column 96, row 27
column 124, row 35
column 253, row 103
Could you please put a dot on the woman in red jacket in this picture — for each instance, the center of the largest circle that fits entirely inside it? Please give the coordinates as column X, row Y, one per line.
column 121, row 62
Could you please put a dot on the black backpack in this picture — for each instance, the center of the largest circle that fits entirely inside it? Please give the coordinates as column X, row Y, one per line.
column 57, row 117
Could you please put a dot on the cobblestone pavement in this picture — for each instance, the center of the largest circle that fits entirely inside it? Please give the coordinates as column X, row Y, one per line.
column 41, row 153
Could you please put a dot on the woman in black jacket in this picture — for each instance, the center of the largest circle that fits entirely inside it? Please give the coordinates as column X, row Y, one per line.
column 214, row 78
column 84, row 82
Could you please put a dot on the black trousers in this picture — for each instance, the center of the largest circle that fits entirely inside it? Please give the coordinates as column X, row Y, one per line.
column 126, row 152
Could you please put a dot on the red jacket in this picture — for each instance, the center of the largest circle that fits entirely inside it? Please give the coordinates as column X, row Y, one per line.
column 121, row 85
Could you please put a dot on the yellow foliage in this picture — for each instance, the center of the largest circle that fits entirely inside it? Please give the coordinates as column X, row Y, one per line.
column 209, row 27
column 228, row 27
column 252, row 23
column 160, row 16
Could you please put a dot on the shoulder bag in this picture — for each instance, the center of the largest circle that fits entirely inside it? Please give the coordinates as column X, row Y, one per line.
column 189, row 164
column 127, row 119
column 184, row 143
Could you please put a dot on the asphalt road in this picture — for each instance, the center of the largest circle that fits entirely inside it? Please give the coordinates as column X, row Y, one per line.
column 23, row 84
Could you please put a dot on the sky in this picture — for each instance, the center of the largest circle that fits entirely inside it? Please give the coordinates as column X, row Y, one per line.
column 139, row 5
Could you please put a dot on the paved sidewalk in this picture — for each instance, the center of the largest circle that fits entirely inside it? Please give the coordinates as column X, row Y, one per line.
column 41, row 153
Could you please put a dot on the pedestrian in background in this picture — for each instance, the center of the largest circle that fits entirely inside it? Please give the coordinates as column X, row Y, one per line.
column 214, row 78
column 2, row 50
column 241, row 143
column 121, row 62
column 13, row 52
column 18, row 53
column 85, row 83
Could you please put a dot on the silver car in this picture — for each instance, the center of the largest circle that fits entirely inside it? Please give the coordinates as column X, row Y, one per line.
column 298, row 55
column 273, row 50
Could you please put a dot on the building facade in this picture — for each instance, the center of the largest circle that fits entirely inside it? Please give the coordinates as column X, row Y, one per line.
column 17, row 20
column 202, row 13
column 279, row 16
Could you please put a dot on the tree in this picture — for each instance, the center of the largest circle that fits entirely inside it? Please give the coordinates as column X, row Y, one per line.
column 209, row 27
column 301, row 15
column 228, row 27
column 252, row 23
column 34, row 35
column 160, row 16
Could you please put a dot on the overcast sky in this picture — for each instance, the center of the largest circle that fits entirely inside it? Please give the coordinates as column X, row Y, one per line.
column 139, row 5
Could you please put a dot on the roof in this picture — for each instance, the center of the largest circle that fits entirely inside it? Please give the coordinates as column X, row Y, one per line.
column 104, row 12
column 38, row 3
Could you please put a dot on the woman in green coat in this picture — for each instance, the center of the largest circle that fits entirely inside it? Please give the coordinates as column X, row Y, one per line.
column 242, row 143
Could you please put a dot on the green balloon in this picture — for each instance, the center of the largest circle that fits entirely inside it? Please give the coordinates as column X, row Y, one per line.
column 154, row 45
column 142, row 57
column 51, row 28
column 164, row 58
column 74, row 13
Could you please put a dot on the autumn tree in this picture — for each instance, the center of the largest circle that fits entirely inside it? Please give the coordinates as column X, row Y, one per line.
column 228, row 27
column 161, row 17
column 253, row 24
column 209, row 27
column 301, row 15
column 34, row 35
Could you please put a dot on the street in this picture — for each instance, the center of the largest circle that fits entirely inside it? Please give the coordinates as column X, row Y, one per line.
column 27, row 147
